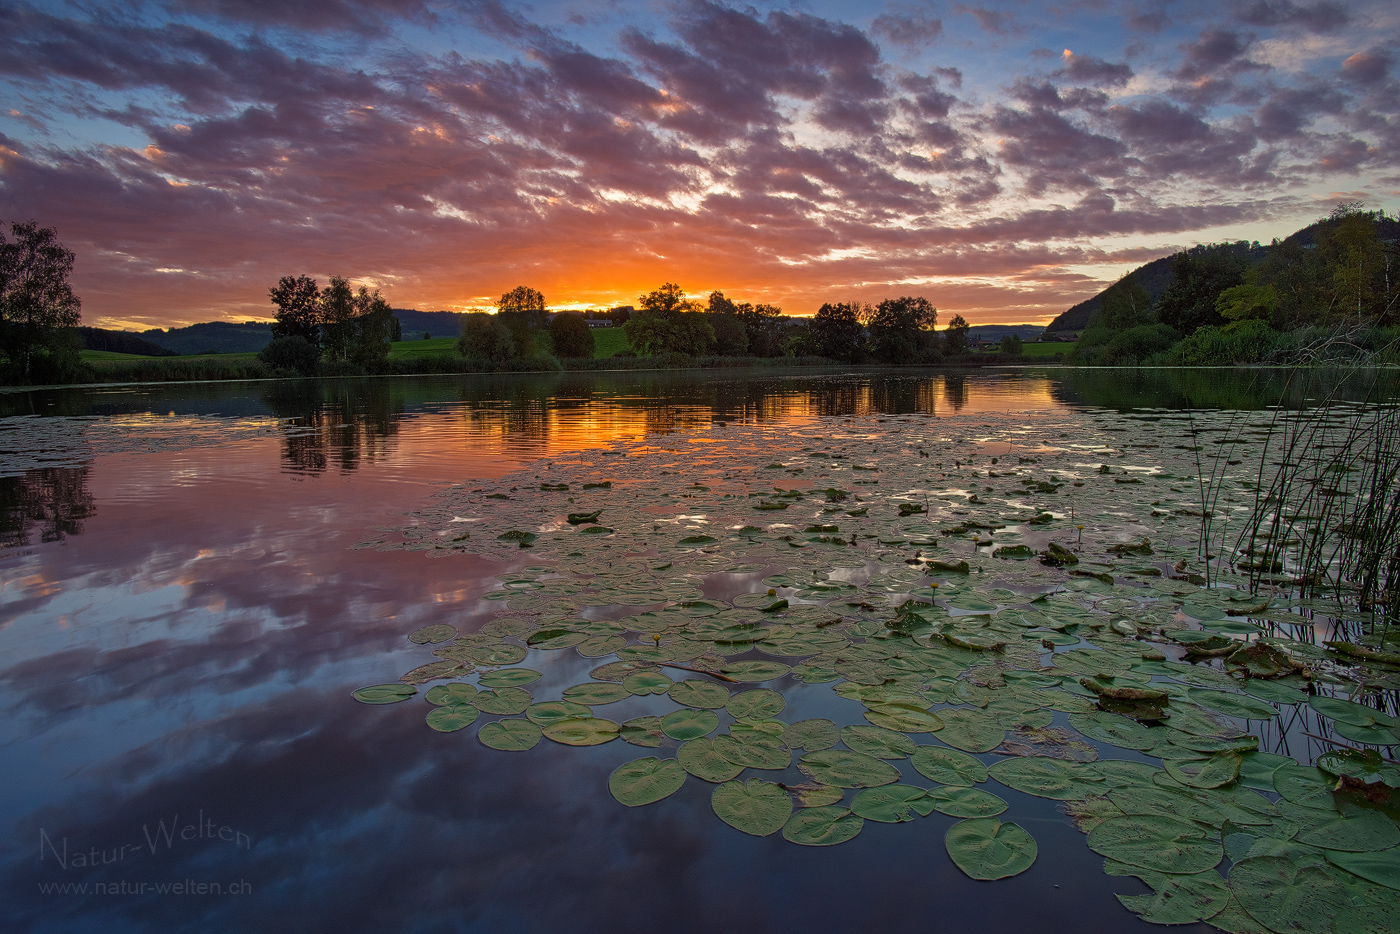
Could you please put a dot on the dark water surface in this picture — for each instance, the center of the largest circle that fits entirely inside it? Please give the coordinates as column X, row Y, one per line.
column 183, row 618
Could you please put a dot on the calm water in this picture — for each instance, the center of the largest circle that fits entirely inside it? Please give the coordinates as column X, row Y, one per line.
column 183, row 618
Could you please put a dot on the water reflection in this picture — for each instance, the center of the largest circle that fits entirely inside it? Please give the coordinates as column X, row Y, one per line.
column 335, row 421
column 52, row 500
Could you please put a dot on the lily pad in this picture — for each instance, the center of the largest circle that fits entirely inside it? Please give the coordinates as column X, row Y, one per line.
column 1363, row 832
column 453, row 718
column 1114, row 729
column 755, row 807
column 970, row 730
column 509, row 735
column 700, row 758
column 758, row 704
column 555, row 638
column 815, row 794
column 1283, row 896
column 986, row 849
column 753, row 670
column 878, row 742
column 689, row 724
column 502, row 700
column 643, row 683
column 694, row 692
column 1160, row 843
column 509, row 677
column 891, row 804
column 1176, row 899
column 583, row 731
column 1304, row 785
column 595, row 693
column 948, row 766
column 543, row 714
column 646, row 781
column 961, row 801
column 1382, row 868
column 754, row 752
column 384, row 693
column 1046, row 778
column 447, row 695
column 811, row 735
column 1213, row 771
column 1345, row 711
column 906, row 718
column 1234, row 705
column 822, row 826
column 642, row 731
column 431, row 635
column 846, row 769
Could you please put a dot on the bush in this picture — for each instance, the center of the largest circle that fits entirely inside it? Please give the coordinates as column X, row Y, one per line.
column 295, row 354
column 485, row 337
column 1011, row 343
column 1249, row 341
column 572, row 337
column 1101, row 346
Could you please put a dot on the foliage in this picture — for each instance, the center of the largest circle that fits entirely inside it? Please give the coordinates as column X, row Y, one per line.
column 1200, row 274
column 763, row 325
column 1248, row 341
column 669, row 323
column 1011, row 344
column 293, row 352
column 345, row 326
column 1125, row 305
column 955, row 336
column 38, row 309
column 1247, row 301
column 485, row 337
column 524, row 312
column 1100, row 346
column 837, row 331
column 298, row 301
column 571, row 336
column 901, row 330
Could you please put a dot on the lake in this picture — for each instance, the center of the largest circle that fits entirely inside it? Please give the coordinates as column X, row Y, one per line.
column 196, row 578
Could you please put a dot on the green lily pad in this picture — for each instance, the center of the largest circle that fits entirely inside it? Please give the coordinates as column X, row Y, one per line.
column 891, row 804
column 1234, row 705
column 1304, row 786
column 448, row 695
column 583, row 731
column 600, row 646
column 502, row 700
column 1176, row 899
column 1345, row 711
column 755, row 807
column 759, row 704
column 1222, row 768
column 453, row 718
column 948, row 766
column 754, row 752
column 555, row 638
column 1163, row 844
column 846, row 769
column 642, row 731
column 877, row 742
column 499, row 654
column 1257, row 769
column 1374, row 735
column 509, row 735
column 752, row 670
column 1382, row 868
column 543, row 714
column 431, row 635
column 906, row 718
column 1363, row 765
column 1046, row 778
column 815, row 794
column 694, row 692
column 986, row 849
column 700, row 758
column 646, row 781
column 384, row 693
column 822, row 826
column 811, row 735
column 961, row 801
column 1283, row 896
column 970, row 730
column 1273, row 692
column 595, row 693
column 1363, row 832
column 689, row 724
column 509, row 677
column 1114, row 729
column 643, row 683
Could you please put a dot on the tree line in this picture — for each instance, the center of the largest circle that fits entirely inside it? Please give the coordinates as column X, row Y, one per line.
column 336, row 324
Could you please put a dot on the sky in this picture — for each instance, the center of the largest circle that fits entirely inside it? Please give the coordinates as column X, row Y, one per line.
column 1003, row 159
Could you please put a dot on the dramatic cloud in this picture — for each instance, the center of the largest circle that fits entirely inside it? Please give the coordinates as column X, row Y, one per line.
column 193, row 152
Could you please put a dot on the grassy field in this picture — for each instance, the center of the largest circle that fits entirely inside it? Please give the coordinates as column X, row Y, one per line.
column 1034, row 349
column 432, row 347
column 608, row 341
column 100, row 356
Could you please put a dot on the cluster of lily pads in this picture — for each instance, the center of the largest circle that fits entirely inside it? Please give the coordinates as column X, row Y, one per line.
column 1006, row 602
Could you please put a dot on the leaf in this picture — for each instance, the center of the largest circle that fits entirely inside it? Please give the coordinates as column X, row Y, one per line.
column 1284, row 897
column 689, row 724
column 509, row 677
column 1304, row 785
column 755, row 752
column 822, row 826
column 1345, row 711
column 599, row 646
column 758, row 704
column 1234, row 705
column 700, row 758
column 1211, row 772
column 384, row 693
column 431, row 635
column 948, row 766
column 1046, row 778
column 1176, row 899
column 447, row 695
column 970, row 730
column 1382, row 868
column 502, row 700
column 555, row 639
column 755, row 807
column 815, row 794
column 583, row 731
column 1114, row 729
column 509, row 735
column 847, row 769
column 960, row 801
column 451, row 719
column 1365, row 832
column 811, row 735
column 878, row 742
column 891, row 804
column 1163, row 844
column 547, row 712
column 643, row 683
column 754, row 670
column 642, row 731
column 694, row 692
column 646, row 781
column 1257, row 769
column 907, row 718
column 986, row 849
column 596, row 693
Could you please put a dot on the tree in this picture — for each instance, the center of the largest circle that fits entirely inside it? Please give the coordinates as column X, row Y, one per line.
column 1199, row 275
column 837, row 332
column 955, row 336
column 571, row 336
column 524, row 312
column 669, row 323
column 1124, row 305
column 371, row 329
column 1011, row 344
column 485, row 337
column 763, row 324
column 731, row 336
column 38, row 309
column 1247, row 302
column 901, row 330
column 337, row 307
column 298, row 301
column 293, row 352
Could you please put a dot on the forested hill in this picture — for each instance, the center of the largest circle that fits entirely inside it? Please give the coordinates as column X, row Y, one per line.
column 1155, row 277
